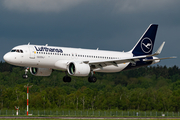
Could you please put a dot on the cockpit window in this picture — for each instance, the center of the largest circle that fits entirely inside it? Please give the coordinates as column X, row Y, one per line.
column 13, row 50
column 17, row 50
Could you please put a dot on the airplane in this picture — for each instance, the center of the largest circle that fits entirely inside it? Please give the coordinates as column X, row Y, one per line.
column 42, row 59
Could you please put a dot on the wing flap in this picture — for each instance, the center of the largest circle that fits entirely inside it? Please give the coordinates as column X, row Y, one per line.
column 115, row 62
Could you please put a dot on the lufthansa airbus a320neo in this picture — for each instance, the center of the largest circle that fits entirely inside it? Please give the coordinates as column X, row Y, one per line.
column 41, row 59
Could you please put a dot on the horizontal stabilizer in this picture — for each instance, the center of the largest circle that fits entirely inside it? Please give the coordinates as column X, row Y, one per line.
column 146, row 60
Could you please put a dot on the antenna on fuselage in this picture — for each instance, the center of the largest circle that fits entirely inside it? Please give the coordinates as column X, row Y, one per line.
column 97, row 49
column 29, row 43
column 46, row 45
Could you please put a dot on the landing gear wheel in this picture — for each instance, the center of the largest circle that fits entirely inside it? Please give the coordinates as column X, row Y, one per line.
column 25, row 76
column 67, row 79
column 92, row 79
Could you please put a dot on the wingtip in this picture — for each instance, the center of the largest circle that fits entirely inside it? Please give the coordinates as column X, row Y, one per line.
column 160, row 49
column 174, row 57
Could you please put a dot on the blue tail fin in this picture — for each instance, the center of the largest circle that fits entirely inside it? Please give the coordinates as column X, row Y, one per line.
column 146, row 43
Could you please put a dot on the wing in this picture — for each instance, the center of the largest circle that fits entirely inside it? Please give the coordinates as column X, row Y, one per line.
column 115, row 62
column 133, row 60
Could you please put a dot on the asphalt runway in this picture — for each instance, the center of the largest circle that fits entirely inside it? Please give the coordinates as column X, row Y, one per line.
column 83, row 118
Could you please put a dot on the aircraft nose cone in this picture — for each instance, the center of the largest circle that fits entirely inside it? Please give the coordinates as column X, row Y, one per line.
column 6, row 57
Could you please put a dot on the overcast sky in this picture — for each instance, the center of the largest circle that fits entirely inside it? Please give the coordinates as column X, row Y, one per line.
column 105, row 24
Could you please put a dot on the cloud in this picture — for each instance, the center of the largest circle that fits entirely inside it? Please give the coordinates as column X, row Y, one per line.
column 40, row 5
column 133, row 6
column 122, row 6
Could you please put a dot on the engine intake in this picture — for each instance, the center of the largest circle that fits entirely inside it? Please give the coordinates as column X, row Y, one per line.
column 78, row 69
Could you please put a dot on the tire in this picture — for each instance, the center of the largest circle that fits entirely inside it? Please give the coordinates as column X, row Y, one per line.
column 92, row 79
column 67, row 79
column 25, row 76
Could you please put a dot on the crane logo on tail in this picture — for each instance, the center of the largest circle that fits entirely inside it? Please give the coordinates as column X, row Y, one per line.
column 146, row 45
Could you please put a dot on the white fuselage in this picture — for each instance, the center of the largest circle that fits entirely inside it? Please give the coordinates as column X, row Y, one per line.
column 59, row 57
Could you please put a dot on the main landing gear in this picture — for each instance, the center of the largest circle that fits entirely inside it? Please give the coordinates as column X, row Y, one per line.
column 91, row 78
column 25, row 76
column 66, row 78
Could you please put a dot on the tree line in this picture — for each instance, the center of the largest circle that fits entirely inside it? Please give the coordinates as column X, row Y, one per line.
column 147, row 88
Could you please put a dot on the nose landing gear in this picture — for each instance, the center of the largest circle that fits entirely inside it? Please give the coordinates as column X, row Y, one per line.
column 25, row 76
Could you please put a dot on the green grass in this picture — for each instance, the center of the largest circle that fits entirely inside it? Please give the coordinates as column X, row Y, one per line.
column 84, row 119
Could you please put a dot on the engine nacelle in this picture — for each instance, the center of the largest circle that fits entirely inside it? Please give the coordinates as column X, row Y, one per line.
column 78, row 69
column 40, row 71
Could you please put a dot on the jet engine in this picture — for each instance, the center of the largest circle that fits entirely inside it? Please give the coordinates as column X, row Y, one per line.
column 40, row 71
column 78, row 69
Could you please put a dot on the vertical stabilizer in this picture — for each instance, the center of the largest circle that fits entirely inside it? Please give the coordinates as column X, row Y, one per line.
column 146, row 43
